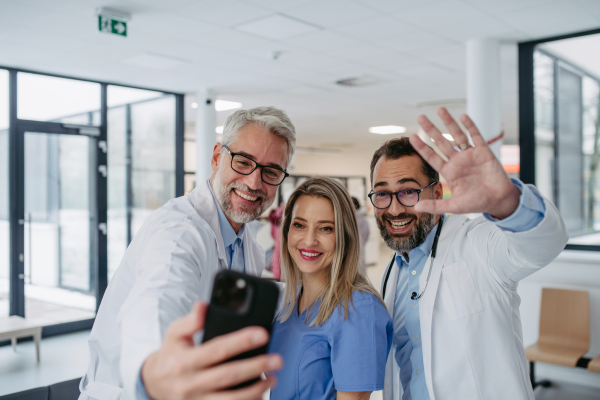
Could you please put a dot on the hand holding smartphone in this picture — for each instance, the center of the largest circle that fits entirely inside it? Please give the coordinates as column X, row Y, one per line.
column 238, row 301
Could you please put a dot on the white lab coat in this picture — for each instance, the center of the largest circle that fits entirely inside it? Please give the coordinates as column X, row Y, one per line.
column 169, row 265
column 470, row 323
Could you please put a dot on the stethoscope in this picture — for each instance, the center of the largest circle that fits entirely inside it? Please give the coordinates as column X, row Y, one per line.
column 414, row 295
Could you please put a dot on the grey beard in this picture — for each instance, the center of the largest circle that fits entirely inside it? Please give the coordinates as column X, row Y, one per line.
column 406, row 244
column 239, row 216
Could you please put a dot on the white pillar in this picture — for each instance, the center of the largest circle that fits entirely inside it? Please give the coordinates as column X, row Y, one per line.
column 206, row 136
column 484, row 95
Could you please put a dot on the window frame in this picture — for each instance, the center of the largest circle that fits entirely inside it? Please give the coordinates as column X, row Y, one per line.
column 526, row 51
column 99, row 263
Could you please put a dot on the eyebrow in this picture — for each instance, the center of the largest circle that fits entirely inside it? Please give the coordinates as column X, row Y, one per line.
column 401, row 181
column 320, row 222
column 243, row 153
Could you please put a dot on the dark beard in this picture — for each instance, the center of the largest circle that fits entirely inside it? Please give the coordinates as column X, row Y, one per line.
column 404, row 244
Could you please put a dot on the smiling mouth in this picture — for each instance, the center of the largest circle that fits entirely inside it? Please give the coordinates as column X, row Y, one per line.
column 245, row 196
column 400, row 224
column 309, row 255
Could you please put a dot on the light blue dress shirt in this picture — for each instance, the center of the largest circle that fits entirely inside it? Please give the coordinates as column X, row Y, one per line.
column 407, row 324
column 234, row 248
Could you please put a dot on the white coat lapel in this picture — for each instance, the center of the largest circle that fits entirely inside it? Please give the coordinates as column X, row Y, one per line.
column 254, row 255
column 392, row 374
column 427, row 302
column 204, row 204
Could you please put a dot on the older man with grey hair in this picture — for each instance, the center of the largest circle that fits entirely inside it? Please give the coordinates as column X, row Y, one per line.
column 142, row 343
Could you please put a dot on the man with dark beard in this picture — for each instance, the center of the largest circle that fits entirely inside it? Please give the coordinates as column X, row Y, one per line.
column 142, row 343
column 451, row 286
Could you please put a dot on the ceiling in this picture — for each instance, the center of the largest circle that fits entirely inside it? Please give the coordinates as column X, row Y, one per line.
column 289, row 53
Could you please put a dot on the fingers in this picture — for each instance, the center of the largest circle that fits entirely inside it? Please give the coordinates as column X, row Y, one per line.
column 440, row 141
column 478, row 140
column 437, row 207
column 427, row 153
column 251, row 392
column 457, row 133
column 235, row 372
column 184, row 328
column 224, row 347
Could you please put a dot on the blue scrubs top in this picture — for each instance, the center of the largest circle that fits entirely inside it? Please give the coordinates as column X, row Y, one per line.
column 346, row 355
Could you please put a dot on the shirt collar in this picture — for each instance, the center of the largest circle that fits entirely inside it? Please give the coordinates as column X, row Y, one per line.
column 425, row 247
column 227, row 232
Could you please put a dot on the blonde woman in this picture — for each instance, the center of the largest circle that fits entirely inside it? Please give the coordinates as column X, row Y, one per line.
column 333, row 332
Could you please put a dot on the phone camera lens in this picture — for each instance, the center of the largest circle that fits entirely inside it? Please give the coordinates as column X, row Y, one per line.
column 240, row 284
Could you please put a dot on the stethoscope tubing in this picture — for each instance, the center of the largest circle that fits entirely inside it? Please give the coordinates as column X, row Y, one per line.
column 433, row 253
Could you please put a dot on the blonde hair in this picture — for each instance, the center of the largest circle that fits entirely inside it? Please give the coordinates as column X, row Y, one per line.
column 344, row 276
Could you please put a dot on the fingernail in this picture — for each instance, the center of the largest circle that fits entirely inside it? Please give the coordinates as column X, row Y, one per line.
column 259, row 337
column 274, row 362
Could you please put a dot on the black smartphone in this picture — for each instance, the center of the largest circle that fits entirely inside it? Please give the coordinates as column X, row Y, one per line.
column 239, row 300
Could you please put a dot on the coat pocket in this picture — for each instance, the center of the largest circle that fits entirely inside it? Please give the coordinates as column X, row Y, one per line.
column 458, row 291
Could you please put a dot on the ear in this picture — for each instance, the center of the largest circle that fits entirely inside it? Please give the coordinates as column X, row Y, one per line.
column 438, row 191
column 216, row 157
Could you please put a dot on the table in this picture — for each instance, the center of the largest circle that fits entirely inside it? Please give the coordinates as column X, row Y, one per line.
column 15, row 327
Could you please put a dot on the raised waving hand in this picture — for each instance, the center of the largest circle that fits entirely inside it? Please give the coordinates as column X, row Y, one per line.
column 476, row 178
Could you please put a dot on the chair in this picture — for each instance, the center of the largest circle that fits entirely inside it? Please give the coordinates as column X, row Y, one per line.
column 594, row 365
column 564, row 330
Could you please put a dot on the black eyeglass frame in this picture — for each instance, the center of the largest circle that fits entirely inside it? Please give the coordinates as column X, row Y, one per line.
column 395, row 194
column 262, row 167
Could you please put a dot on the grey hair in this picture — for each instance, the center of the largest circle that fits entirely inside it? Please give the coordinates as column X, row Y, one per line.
column 269, row 118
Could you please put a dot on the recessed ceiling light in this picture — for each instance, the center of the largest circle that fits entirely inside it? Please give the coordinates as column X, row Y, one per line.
column 194, row 105
column 155, row 61
column 278, row 27
column 219, row 129
column 223, row 105
column 448, row 136
column 387, row 129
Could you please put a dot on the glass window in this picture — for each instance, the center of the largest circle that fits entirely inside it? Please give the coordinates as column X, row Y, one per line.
column 544, row 123
column 47, row 98
column 567, row 133
column 4, row 254
column 141, row 162
column 58, row 256
column 153, row 157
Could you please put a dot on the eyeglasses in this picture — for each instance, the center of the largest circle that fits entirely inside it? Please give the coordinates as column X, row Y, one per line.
column 406, row 197
column 243, row 165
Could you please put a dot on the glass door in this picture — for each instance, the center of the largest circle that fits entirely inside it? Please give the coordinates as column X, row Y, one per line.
column 59, row 226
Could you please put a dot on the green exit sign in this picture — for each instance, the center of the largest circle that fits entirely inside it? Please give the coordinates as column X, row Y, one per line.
column 109, row 24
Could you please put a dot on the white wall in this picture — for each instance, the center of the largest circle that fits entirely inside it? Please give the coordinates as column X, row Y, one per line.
column 575, row 270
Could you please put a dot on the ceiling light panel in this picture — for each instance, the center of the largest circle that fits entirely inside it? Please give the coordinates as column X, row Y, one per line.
column 154, row 61
column 278, row 27
column 387, row 129
column 224, row 105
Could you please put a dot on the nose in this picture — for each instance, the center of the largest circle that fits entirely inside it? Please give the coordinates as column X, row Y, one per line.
column 254, row 180
column 310, row 238
column 396, row 208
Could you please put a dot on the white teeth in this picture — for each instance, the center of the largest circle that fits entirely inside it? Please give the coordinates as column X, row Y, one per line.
column 307, row 254
column 399, row 225
column 243, row 196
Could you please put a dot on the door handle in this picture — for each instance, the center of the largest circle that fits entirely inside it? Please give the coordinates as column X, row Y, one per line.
column 102, row 228
column 102, row 170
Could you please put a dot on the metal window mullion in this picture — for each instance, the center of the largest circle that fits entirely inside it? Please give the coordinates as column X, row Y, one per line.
column 101, row 263
column 16, row 168
column 179, row 143
column 128, row 173
column 555, row 169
